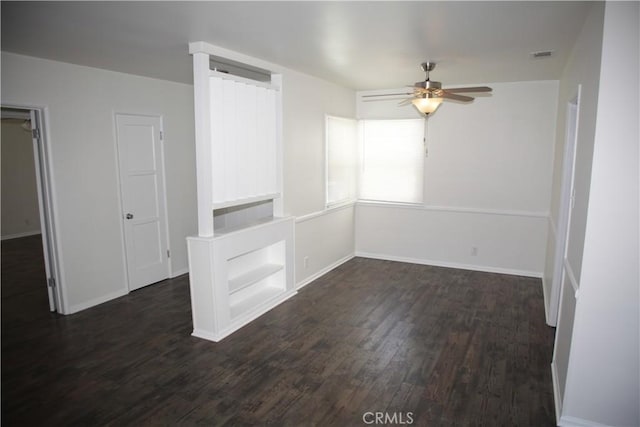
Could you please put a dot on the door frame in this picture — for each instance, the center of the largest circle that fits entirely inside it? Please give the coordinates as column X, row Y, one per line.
column 47, row 206
column 565, row 205
column 120, row 192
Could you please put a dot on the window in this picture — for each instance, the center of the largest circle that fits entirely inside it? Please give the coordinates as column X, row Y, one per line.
column 392, row 160
column 341, row 164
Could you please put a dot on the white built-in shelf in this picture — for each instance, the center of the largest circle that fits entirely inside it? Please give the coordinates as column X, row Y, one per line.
column 247, row 227
column 254, row 276
column 244, row 200
column 241, row 264
column 241, row 228
column 262, row 297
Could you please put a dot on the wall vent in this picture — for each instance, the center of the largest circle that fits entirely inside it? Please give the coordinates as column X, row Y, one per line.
column 541, row 54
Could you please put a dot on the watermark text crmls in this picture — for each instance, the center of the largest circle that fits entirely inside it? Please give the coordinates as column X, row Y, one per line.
column 387, row 418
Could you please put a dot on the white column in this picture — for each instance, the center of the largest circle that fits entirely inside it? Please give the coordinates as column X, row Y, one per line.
column 204, row 170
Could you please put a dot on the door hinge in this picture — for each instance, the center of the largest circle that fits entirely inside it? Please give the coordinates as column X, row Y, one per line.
column 35, row 133
column 161, row 135
column 51, row 282
column 168, row 253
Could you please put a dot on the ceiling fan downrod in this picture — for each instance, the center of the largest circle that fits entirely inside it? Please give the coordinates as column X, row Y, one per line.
column 428, row 84
column 428, row 66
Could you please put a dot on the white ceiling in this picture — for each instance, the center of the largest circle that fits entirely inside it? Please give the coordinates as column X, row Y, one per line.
column 362, row 45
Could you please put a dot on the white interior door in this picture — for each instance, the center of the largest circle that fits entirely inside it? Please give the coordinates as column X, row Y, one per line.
column 140, row 156
column 43, row 203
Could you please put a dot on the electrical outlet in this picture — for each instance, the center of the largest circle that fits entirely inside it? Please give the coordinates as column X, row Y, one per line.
column 474, row 250
column 306, row 262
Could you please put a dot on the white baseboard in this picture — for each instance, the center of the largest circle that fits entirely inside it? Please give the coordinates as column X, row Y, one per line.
column 307, row 280
column 245, row 319
column 566, row 421
column 199, row 333
column 18, row 235
column 486, row 269
column 180, row 272
column 96, row 301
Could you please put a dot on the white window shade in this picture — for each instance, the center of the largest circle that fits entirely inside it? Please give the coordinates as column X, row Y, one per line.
column 392, row 160
column 341, row 145
column 244, row 140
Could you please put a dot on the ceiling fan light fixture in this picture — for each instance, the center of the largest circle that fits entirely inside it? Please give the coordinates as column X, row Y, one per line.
column 427, row 105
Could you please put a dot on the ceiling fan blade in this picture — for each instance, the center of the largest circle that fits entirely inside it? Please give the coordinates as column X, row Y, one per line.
column 468, row 89
column 405, row 102
column 386, row 94
column 455, row 97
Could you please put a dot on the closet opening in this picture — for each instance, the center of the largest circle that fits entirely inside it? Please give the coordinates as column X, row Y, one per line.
column 29, row 257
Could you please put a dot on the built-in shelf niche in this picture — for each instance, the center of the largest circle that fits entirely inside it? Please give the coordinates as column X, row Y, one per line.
column 233, row 218
column 238, row 275
column 255, row 277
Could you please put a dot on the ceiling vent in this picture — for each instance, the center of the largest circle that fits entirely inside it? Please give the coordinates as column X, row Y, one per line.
column 541, row 54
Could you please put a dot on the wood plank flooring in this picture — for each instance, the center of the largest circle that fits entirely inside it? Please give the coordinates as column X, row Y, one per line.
column 442, row 347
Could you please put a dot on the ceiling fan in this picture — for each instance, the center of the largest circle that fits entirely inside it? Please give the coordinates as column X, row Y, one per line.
column 429, row 94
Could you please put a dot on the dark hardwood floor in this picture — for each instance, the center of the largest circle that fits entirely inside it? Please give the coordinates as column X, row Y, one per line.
column 434, row 346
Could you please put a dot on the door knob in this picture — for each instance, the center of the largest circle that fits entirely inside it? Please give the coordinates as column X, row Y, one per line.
column 129, row 216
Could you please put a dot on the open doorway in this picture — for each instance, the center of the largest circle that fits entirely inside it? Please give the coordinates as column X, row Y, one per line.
column 29, row 259
column 567, row 199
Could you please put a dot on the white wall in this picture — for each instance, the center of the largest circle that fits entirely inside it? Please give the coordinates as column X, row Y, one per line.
column 80, row 105
column 324, row 237
column 306, row 101
column 505, row 243
column 487, row 184
column 325, row 240
column 603, row 381
column 20, row 212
